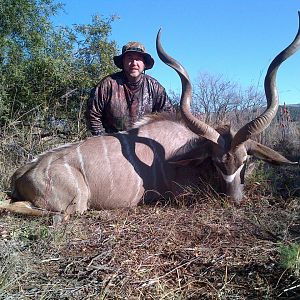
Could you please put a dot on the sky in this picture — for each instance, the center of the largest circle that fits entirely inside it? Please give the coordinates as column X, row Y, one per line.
column 233, row 38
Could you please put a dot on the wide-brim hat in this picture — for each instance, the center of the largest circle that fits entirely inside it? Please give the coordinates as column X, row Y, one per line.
column 134, row 47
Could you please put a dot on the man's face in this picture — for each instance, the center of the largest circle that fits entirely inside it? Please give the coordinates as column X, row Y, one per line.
column 133, row 65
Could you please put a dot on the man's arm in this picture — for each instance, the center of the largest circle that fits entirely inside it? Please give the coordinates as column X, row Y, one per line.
column 94, row 112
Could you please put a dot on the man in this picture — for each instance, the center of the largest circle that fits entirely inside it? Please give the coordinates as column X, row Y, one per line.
column 122, row 98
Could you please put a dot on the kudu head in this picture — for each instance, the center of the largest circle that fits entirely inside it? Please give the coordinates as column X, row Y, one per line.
column 227, row 151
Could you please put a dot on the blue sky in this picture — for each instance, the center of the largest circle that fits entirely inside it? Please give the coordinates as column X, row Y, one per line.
column 234, row 38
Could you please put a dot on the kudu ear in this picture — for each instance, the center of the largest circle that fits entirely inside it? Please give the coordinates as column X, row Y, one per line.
column 267, row 154
column 193, row 154
column 191, row 161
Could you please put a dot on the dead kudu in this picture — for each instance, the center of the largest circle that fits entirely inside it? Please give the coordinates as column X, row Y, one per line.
column 160, row 154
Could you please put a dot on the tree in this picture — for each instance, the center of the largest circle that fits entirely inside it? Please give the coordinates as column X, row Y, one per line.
column 23, row 36
column 45, row 70
column 222, row 101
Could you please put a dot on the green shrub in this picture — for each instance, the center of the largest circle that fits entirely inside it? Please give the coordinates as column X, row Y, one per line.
column 290, row 257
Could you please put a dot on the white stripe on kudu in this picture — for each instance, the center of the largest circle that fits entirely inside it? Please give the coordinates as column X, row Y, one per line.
column 230, row 178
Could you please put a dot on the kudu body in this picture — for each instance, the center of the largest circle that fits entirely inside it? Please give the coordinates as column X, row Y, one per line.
column 159, row 155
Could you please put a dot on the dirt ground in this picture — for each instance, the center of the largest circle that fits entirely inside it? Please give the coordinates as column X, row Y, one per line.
column 204, row 249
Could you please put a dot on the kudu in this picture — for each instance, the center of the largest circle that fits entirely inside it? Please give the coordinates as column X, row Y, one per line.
column 160, row 154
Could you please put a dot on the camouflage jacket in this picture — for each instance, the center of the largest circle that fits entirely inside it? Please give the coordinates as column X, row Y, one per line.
column 115, row 104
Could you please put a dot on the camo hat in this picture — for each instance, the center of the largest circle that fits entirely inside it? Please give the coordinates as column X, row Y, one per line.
column 134, row 47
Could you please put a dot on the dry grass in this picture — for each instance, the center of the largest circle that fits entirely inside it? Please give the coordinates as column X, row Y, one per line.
column 203, row 251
